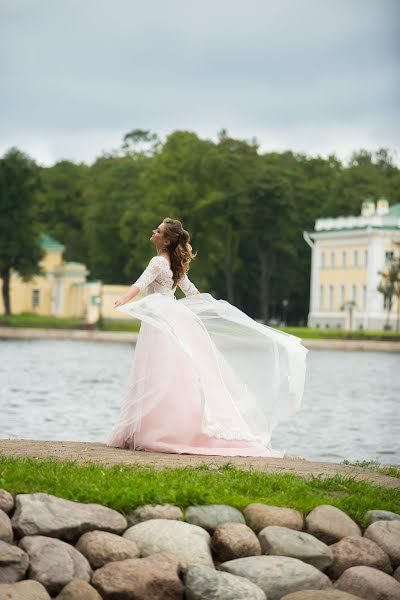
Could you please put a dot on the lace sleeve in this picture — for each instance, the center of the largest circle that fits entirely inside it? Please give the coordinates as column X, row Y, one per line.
column 149, row 274
column 187, row 287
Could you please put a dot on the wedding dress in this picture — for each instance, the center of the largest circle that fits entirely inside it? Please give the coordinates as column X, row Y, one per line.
column 206, row 378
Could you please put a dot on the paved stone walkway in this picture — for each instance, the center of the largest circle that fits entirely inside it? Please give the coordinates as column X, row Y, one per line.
column 82, row 452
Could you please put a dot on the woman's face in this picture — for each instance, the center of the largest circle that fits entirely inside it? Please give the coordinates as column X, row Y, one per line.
column 158, row 236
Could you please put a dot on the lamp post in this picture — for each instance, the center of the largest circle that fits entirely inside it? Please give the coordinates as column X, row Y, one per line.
column 285, row 303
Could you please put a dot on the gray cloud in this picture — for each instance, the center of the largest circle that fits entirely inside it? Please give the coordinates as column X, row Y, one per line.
column 318, row 76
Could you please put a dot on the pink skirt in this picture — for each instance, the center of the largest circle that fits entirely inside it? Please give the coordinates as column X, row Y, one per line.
column 207, row 379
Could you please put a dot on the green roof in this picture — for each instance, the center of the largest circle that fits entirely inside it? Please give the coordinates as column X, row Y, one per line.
column 49, row 243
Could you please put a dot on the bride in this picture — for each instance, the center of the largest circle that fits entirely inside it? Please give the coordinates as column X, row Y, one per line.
column 206, row 378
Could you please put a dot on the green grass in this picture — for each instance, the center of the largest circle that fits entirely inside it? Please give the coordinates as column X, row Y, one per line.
column 341, row 334
column 129, row 326
column 33, row 320
column 125, row 487
column 374, row 465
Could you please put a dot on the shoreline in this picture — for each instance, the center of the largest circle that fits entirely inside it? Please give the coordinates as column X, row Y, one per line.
column 31, row 333
column 100, row 454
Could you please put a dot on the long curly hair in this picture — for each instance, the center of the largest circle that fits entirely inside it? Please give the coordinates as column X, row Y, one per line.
column 179, row 248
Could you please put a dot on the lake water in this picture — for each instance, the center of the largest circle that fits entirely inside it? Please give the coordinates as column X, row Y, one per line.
column 72, row 390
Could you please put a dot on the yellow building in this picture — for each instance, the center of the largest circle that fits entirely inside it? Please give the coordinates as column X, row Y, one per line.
column 63, row 289
column 347, row 255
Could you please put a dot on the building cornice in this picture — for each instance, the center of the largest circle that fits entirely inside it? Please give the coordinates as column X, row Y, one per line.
column 355, row 232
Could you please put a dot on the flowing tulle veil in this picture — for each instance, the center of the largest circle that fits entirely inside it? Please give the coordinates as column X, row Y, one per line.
column 241, row 376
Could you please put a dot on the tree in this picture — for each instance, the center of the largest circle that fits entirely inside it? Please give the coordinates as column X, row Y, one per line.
column 62, row 204
column 389, row 287
column 20, row 247
column 271, row 220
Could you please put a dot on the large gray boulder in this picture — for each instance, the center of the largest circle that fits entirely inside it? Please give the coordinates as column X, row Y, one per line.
column 381, row 515
column 6, row 532
column 6, row 501
column 234, row 540
column 330, row 524
column 203, row 583
column 77, row 589
column 387, row 535
column 54, row 563
column 356, row 551
column 153, row 578
column 210, row 516
column 281, row 541
column 14, row 563
column 320, row 595
column 154, row 511
column 187, row 543
column 369, row 583
column 101, row 547
column 258, row 516
column 24, row 590
column 278, row 575
column 43, row 514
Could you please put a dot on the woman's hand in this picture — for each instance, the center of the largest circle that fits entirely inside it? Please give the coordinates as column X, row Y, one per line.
column 119, row 301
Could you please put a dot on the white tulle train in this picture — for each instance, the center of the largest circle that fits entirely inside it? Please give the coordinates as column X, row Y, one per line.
column 207, row 379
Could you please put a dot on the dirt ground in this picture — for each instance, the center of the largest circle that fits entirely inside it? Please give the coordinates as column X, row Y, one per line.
column 101, row 454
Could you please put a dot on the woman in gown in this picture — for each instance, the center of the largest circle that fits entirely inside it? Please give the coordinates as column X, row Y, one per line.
column 206, row 378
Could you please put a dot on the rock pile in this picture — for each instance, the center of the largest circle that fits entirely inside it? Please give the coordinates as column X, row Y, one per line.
column 55, row 548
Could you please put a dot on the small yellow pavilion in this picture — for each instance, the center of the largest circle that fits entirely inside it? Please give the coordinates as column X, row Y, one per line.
column 63, row 290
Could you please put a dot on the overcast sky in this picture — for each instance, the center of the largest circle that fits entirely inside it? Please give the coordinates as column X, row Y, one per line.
column 317, row 76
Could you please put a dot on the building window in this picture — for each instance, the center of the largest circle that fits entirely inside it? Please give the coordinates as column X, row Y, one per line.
column 354, row 293
column 365, row 258
column 322, row 259
column 332, row 259
column 342, row 295
column 364, row 300
column 331, row 297
column 35, row 298
column 344, row 257
column 389, row 257
column 355, row 258
column 321, row 297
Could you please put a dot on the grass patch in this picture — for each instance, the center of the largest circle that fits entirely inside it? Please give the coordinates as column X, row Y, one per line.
column 33, row 320
column 342, row 334
column 374, row 465
column 125, row 487
column 129, row 326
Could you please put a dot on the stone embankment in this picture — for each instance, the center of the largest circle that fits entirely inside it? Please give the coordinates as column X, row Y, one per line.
column 125, row 337
column 55, row 548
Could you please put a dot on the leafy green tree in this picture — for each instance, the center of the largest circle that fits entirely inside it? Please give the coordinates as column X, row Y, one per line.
column 271, row 219
column 20, row 248
column 61, row 206
column 174, row 180
column 113, row 187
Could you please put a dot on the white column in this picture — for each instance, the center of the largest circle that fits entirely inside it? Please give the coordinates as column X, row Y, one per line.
column 314, row 283
column 376, row 261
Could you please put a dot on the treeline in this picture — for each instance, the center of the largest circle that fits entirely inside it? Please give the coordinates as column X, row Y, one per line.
column 246, row 211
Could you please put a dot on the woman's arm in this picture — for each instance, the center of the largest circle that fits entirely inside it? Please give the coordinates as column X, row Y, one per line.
column 147, row 277
column 187, row 287
column 133, row 291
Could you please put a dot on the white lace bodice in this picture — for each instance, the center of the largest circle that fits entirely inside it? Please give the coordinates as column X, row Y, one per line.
column 157, row 276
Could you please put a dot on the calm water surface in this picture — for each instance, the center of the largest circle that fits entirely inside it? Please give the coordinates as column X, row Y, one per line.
column 72, row 390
